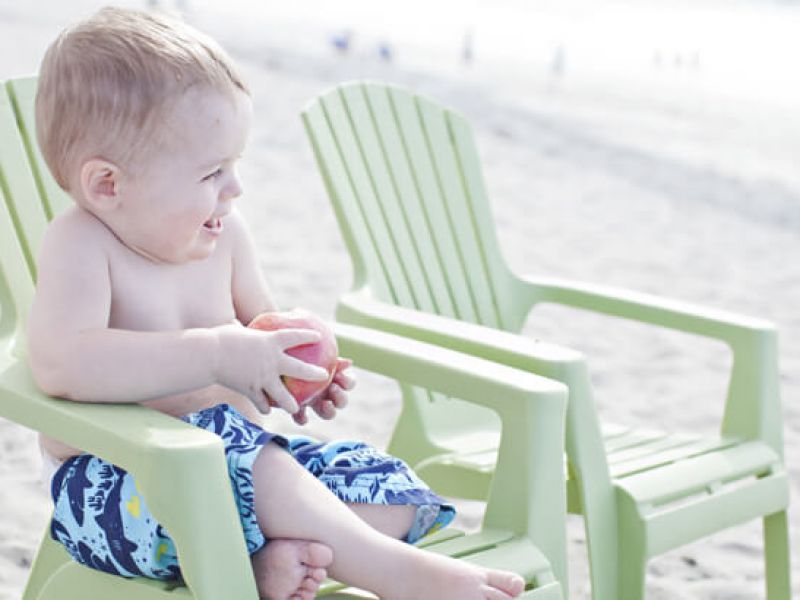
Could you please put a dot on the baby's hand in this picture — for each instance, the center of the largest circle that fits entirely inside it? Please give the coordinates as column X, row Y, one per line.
column 252, row 362
column 334, row 398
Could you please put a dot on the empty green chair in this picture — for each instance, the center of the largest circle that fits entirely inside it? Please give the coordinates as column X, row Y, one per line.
column 404, row 178
column 181, row 469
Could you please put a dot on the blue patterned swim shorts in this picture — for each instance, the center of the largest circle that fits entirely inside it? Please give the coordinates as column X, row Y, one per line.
column 102, row 521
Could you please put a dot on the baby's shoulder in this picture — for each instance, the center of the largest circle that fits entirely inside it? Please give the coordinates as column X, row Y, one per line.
column 77, row 221
column 76, row 231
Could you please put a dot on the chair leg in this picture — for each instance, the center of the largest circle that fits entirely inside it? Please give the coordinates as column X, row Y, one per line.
column 632, row 550
column 633, row 567
column 50, row 556
column 602, row 548
column 776, row 555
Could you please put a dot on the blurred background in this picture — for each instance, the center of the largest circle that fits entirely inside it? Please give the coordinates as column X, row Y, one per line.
column 649, row 144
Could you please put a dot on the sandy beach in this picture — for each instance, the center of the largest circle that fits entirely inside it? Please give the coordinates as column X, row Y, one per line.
column 676, row 191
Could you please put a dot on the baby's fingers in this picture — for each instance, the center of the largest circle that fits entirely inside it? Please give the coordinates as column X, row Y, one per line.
column 343, row 363
column 300, row 417
column 337, row 395
column 289, row 338
column 325, row 409
column 345, row 379
column 299, row 369
column 281, row 396
column 261, row 402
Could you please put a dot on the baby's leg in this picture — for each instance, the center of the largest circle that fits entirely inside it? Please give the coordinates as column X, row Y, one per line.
column 291, row 504
column 394, row 520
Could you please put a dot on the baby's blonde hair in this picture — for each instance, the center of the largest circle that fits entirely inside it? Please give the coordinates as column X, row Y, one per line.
column 107, row 82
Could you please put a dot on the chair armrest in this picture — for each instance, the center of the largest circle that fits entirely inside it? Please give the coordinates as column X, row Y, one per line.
column 498, row 387
column 528, row 491
column 124, row 434
column 673, row 314
column 752, row 409
column 510, row 349
column 179, row 468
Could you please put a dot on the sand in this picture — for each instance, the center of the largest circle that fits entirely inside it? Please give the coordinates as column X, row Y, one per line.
column 690, row 195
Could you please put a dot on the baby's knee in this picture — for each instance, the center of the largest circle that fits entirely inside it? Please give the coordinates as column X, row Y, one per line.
column 394, row 520
column 274, row 468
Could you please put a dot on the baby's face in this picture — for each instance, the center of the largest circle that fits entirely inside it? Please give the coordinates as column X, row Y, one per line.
column 173, row 207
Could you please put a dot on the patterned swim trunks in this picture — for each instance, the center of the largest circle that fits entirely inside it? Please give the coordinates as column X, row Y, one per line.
column 104, row 523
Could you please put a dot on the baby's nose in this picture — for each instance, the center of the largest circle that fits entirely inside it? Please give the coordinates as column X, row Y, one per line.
column 232, row 189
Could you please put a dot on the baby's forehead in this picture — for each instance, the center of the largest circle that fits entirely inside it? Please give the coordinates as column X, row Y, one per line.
column 204, row 106
column 205, row 124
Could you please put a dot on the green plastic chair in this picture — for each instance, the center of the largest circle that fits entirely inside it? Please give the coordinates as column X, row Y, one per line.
column 181, row 469
column 405, row 181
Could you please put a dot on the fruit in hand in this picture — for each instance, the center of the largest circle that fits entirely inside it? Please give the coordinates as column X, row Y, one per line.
column 323, row 353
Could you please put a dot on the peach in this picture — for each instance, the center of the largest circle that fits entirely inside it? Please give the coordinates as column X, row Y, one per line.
column 323, row 353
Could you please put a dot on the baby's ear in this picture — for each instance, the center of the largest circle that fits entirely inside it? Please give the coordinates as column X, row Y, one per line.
column 100, row 184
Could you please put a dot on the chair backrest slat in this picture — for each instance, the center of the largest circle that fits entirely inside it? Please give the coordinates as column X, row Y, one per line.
column 495, row 268
column 383, row 238
column 16, row 283
column 455, row 200
column 23, row 95
column 367, row 267
column 29, row 198
column 19, row 185
column 23, row 219
column 411, row 202
column 428, row 187
column 376, row 160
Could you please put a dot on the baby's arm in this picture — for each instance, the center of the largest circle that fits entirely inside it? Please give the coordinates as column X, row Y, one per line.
column 251, row 296
column 74, row 354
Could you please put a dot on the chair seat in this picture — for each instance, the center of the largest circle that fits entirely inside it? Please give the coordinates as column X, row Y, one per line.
column 72, row 580
column 682, row 465
column 704, row 492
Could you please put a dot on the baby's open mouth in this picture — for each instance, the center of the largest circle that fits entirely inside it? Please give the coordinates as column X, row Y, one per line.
column 213, row 225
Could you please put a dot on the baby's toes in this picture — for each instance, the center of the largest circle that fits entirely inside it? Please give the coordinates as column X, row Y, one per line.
column 510, row 584
column 317, row 575
column 316, row 556
column 308, row 585
column 490, row 593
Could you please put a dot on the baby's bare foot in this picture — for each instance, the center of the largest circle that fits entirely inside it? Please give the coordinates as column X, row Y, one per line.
column 502, row 584
column 483, row 584
column 443, row 578
column 291, row 569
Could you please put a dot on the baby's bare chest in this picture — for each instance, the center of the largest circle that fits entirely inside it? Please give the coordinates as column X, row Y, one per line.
column 157, row 297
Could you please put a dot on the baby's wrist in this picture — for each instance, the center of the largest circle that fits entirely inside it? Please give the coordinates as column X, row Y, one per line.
column 216, row 344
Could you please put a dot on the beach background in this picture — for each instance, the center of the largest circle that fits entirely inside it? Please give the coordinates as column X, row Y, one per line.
column 653, row 145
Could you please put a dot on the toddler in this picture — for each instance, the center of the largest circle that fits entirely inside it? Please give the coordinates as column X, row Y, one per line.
column 143, row 289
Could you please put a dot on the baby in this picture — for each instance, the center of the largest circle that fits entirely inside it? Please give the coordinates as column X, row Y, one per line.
column 143, row 288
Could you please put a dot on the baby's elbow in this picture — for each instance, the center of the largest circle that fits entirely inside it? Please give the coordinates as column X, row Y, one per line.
column 49, row 375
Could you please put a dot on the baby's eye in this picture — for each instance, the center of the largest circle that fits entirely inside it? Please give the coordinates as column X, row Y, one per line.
column 213, row 175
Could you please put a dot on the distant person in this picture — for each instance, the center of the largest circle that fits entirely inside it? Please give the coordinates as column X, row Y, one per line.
column 385, row 52
column 657, row 59
column 468, row 50
column 342, row 41
column 558, row 64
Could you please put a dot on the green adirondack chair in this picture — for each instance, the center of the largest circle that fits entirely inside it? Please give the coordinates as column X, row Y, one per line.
column 181, row 469
column 405, row 181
